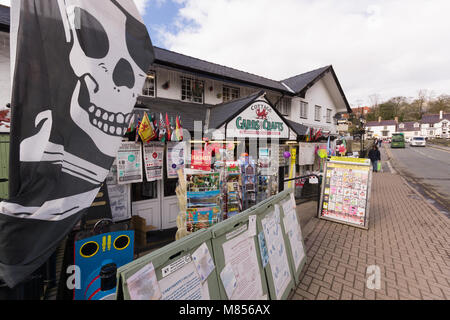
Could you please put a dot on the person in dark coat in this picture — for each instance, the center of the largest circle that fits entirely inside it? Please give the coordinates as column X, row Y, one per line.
column 374, row 156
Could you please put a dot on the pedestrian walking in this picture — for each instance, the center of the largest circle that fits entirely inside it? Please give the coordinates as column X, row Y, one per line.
column 374, row 156
column 380, row 142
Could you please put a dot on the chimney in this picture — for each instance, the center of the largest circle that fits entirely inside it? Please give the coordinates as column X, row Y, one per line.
column 379, row 119
column 396, row 119
column 441, row 115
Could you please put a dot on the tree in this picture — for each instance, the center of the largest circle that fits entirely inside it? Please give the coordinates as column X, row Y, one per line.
column 441, row 103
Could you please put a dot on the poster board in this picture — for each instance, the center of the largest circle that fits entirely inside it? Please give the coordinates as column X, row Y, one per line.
column 237, row 255
column 154, row 160
column 129, row 163
column 279, row 268
column 119, row 196
column 175, row 271
column 346, row 187
column 176, row 158
column 294, row 237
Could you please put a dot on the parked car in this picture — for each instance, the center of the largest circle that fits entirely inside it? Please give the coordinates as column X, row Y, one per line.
column 418, row 142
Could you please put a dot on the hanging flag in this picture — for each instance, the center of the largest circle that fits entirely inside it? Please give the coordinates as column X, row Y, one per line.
column 131, row 126
column 138, row 124
column 146, row 131
column 76, row 72
column 169, row 132
column 179, row 130
column 153, row 128
column 162, row 128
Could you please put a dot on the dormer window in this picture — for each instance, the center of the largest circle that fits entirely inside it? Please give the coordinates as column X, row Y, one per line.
column 416, row 125
column 401, row 126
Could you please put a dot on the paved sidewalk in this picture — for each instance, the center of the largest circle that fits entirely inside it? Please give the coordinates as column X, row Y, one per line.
column 407, row 239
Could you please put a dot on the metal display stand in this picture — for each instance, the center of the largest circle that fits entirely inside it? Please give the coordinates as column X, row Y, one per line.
column 350, row 163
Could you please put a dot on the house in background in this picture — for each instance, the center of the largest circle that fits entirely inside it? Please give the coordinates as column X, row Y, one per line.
column 381, row 128
column 410, row 128
column 436, row 125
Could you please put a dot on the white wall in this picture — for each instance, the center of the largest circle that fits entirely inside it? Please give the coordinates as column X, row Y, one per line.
column 377, row 131
column 319, row 95
column 5, row 78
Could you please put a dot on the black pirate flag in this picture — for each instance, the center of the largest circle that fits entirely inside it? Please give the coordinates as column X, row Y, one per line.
column 79, row 68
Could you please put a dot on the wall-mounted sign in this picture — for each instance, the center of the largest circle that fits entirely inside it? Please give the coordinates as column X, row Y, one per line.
column 258, row 120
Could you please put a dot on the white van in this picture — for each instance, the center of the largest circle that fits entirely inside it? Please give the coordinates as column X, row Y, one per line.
column 418, row 142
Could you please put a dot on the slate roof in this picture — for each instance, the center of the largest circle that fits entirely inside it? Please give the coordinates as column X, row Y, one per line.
column 188, row 112
column 221, row 113
column 434, row 118
column 409, row 126
column 381, row 123
column 181, row 61
column 298, row 128
column 5, row 21
column 300, row 82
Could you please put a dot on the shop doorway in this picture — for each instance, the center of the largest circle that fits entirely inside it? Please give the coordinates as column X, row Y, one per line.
column 157, row 203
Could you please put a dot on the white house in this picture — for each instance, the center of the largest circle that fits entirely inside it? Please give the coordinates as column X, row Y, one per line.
column 381, row 128
column 410, row 128
column 436, row 125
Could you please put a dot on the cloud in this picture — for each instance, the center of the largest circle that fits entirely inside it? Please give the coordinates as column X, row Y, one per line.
column 380, row 47
column 6, row 3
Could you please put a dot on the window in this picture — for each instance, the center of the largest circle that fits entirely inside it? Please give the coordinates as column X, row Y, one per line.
column 284, row 106
column 303, row 110
column 416, row 125
column 401, row 126
column 317, row 113
column 444, row 124
column 328, row 115
column 192, row 90
column 431, row 125
column 230, row 93
column 149, row 85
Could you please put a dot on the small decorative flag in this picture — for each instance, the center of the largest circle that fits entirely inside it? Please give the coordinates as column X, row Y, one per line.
column 162, row 128
column 146, row 131
column 169, row 133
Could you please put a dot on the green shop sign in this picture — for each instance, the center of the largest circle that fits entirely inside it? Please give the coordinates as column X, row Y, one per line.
column 247, row 124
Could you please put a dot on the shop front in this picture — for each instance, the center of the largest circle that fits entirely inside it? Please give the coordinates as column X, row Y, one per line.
column 247, row 136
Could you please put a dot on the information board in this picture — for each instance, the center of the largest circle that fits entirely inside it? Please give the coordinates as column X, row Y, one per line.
column 345, row 194
column 129, row 163
column 182, row 270
column 237, row 255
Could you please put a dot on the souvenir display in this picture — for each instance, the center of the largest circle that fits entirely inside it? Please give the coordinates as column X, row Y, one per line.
column 232, row 189
column 203, row 200
column 345, row 192
column 249, row 181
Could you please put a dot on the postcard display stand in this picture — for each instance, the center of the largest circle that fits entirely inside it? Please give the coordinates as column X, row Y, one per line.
column 182, row 270
column 346, row 190
column 232, row 190
column 204, row 205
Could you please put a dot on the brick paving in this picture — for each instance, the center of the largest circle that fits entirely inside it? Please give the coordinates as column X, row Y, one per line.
column 407, row 239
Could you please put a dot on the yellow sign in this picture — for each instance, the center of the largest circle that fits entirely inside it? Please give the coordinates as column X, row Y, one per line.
column 348, row 159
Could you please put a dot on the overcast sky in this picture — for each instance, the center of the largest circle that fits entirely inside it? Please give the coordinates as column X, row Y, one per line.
column 384, row 47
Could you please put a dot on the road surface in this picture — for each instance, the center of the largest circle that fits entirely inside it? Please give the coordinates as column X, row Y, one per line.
column 426, row 168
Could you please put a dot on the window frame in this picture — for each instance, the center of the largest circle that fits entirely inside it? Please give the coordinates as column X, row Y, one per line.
column 154, row 85
column 230, row 91
column 191, row 98
column 285, row 102
column 305, row 109
column 328, row 115
column 317, row 116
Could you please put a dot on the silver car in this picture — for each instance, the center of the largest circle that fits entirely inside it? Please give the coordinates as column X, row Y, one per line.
column 418, row 142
